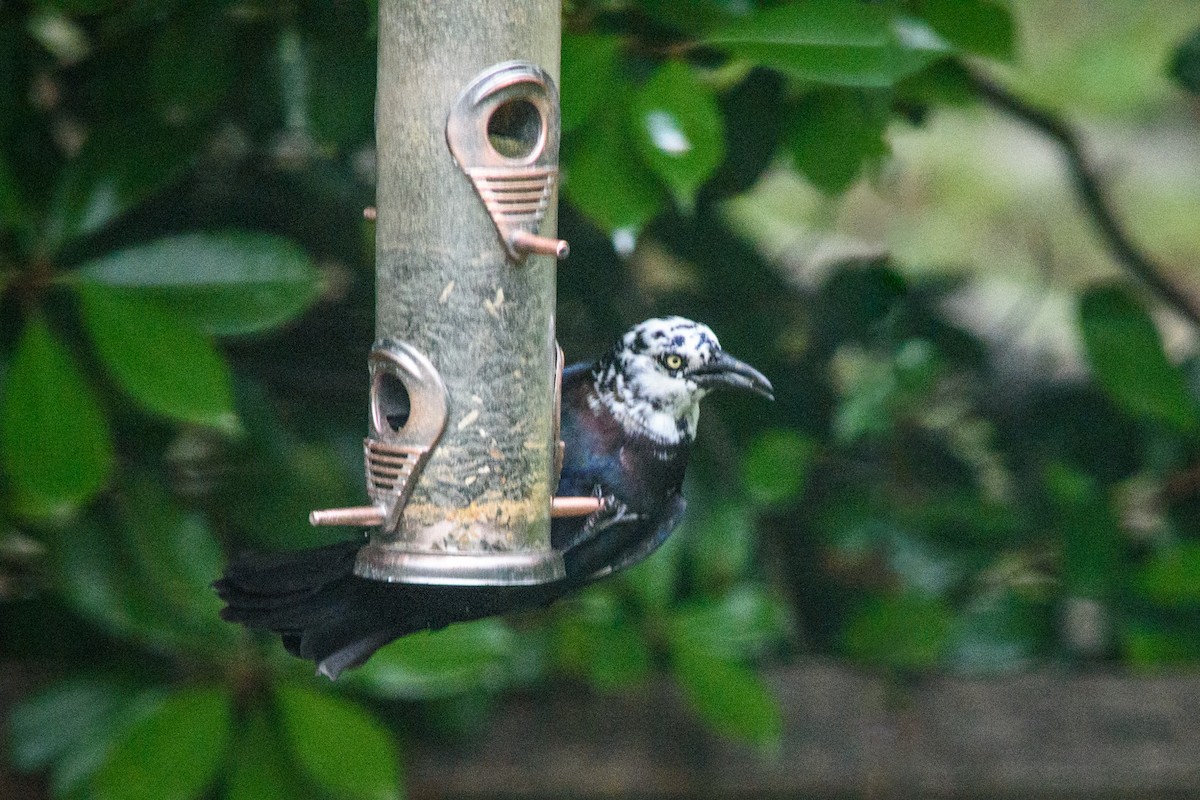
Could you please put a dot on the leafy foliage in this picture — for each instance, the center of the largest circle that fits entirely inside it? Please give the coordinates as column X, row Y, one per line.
column 1185, row 65
column 338, row 745
column 55, row 439
column 1126, row 354
column 144, row 761
column 180, row 379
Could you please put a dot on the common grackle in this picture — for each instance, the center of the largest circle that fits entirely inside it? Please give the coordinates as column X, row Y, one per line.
column 628, row 422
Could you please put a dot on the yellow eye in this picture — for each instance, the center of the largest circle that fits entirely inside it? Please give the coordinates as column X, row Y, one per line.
column 673, row 361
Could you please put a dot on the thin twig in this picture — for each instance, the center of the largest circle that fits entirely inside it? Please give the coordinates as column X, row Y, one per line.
column 1092, row 194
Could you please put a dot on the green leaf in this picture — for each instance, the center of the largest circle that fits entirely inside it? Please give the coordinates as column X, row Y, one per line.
column 1185, row 64
column 93, row 573
column 729, row 697
column 54, row 723
column 54, row 438
column 997, row 634
column 1127, row 359
column 231, row 283
column 588, row 74
column 909, row 631
column 176, row 558
column 431, row 664
column 776, row 465
column 739, row 625
column 696, row 16
column 1151, row 645
column 164, row 363
column 924, row 566
column 260, row 767
column 600, row 643
column 606, row 181
column 1092, row 553
column 946, row 83
column 173, row 752
column 677, row 127
column 1172, row 577
column 834, row 133
column 984, row 27
column 70, row 728
column 721, row 543
column 654, row 580
column 339, row 745
column 842, row 42
column 119, row 167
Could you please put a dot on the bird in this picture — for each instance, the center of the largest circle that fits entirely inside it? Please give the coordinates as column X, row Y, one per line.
column 628, row 422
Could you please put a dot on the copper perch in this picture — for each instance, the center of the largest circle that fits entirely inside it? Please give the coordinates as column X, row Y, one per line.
column 575, row 506
column 527, row 242
column 375, row 515
column 355, row 515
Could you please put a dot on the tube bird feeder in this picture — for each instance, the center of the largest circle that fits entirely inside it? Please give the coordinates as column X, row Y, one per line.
column 463, row 450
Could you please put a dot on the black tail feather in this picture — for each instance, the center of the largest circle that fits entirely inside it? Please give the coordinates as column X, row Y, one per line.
column 270, row 574
column 312, row 598
column 325, row 613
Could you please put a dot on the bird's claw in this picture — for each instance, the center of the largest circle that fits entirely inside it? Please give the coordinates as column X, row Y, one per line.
column 611, row 512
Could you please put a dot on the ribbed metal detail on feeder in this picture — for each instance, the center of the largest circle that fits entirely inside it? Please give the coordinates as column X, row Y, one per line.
column 503, row 131
column 390, row 469
column 515, row 197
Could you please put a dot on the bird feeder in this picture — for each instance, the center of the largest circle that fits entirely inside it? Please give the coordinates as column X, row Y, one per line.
column 463, row 450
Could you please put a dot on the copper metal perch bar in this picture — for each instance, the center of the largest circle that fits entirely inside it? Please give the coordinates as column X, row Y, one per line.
column 367, row 516
column 520, row 240
column 527, row 242
column 355, row 515
column 575, row 506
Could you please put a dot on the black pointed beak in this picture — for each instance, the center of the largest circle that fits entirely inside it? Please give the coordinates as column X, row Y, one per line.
column 725, row 371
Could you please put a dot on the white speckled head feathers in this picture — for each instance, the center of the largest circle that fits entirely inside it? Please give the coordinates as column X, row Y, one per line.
column 653, row 379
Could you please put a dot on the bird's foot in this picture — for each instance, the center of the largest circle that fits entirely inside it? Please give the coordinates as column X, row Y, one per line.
column 611, row 512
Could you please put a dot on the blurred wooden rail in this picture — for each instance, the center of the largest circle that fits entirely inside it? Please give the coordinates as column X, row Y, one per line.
column 1041, row 735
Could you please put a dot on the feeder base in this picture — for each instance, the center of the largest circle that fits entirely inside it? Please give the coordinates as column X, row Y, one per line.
column 388, row 562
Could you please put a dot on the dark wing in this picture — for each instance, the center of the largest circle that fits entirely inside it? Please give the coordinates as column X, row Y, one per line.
column 662, row 529
column 608, row 543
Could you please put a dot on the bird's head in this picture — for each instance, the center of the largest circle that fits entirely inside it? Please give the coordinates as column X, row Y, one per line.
column 654, row 377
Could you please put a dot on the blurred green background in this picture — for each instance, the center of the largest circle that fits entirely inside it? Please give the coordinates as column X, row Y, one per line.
column 983, row 458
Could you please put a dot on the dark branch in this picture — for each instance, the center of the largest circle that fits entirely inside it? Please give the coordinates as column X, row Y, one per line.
column 1092, row 194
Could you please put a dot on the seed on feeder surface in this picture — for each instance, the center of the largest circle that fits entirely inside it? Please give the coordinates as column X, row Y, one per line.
column 444, row 297
column 499, row 301
column 490, row 307
column 476, row 399
column 470, row 417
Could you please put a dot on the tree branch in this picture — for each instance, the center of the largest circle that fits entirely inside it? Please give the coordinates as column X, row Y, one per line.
column 1092, row 194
